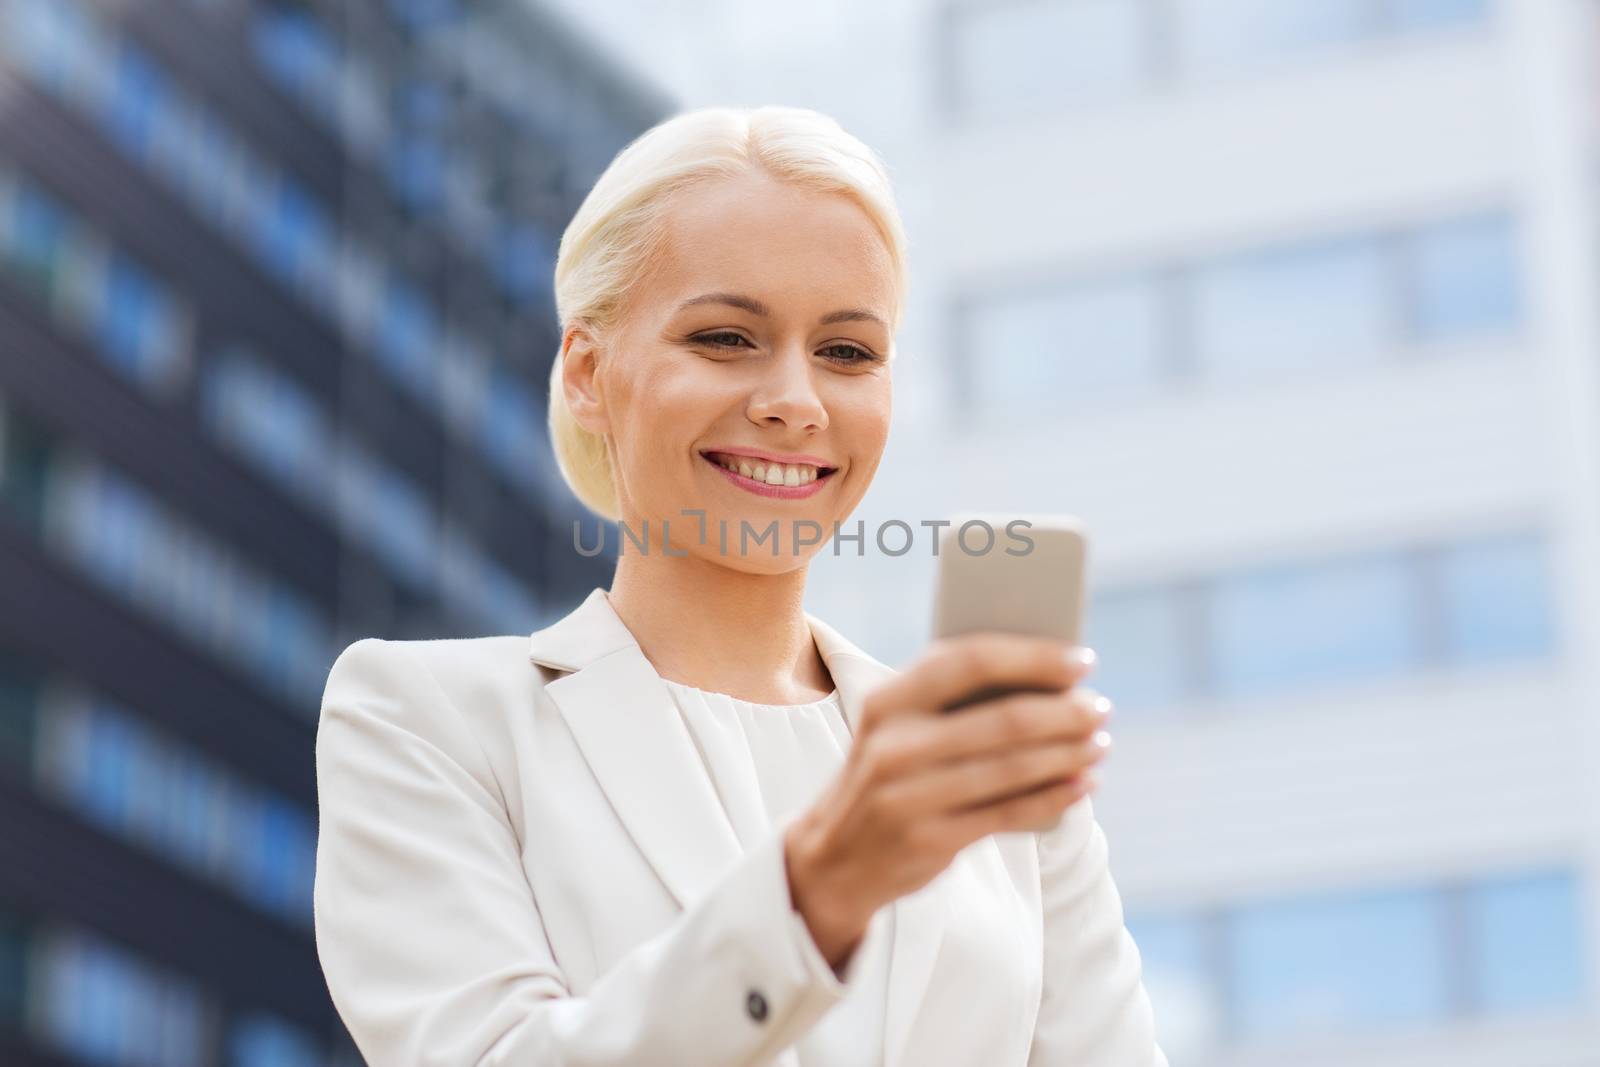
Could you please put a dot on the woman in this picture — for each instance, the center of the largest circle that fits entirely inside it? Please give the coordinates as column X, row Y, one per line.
column 690, row 823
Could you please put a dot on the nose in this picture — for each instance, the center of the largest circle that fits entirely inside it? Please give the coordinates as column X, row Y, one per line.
column 786, row 394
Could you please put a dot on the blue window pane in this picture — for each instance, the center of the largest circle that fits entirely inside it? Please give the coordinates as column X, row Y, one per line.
column 127, row 309
column 271, row 420
column 108, row 768
column 408, row 340
column 512, row 428
column 402, row 525
column 416, row 168
column 525, row 261
column 1035, row 55
column 38, row 233
column 1496, row 599
column 1310, row 625
column 423, row 14
column 1221, row 33
column 1177, row 970
column 1428, row 14
column 281, row 830
column 1294, row 308
column 1139, row 637
column 1527, row 941
column 48, row 40
column 141, row 92
column 295, row 51
column 423, row 102
column 1052, row 350
column 1466, row 278
column 293, row 232
column 259, row 1040
column 1326, row 964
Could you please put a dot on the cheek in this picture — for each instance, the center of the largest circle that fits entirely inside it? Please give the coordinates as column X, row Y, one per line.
column 864, row 416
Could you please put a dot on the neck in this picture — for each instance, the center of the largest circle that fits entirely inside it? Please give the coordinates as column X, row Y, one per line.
column 715, row 628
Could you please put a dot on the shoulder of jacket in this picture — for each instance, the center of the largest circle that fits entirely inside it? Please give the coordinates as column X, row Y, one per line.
column 443, row 660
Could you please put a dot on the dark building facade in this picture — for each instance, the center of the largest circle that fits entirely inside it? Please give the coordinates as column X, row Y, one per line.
column 275, row 327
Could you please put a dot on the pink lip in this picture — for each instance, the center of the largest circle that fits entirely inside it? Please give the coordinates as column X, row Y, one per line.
column 781, row 492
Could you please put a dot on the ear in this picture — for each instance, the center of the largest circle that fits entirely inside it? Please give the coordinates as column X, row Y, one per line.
column 580, row 378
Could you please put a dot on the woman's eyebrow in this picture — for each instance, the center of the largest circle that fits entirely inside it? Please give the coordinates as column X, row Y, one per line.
column 756, row 307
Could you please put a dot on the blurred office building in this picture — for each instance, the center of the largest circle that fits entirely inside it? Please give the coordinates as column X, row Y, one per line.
column 1294, row 303
column 275, row 321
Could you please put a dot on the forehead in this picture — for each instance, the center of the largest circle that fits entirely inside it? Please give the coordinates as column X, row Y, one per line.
column 775, row 240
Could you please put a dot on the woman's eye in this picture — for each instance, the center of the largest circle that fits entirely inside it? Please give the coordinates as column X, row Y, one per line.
column 850, row 354
column 721, row 339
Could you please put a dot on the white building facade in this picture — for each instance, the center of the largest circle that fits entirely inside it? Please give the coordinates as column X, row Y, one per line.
column 1294, row 304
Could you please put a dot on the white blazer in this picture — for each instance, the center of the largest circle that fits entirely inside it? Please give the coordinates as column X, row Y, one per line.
column 522, row 862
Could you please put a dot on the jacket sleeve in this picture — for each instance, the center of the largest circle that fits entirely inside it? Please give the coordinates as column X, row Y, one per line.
column 433, row 947
column 1094, row 1011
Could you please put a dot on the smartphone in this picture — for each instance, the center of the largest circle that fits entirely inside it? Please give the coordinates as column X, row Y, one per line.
column 1017, row 573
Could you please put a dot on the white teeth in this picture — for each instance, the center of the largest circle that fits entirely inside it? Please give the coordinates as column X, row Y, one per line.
column 785, row 474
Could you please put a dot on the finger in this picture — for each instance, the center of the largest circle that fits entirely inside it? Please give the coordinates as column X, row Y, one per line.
column 1020, row 813
column 1005, row 722
column 951, row 788
column 956, row 667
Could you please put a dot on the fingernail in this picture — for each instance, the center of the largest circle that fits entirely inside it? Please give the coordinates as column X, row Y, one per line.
column 1102, row 739
column 1081, row 656
column 1102, row 706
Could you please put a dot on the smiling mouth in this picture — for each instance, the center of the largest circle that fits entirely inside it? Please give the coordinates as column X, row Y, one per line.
column 791, row 475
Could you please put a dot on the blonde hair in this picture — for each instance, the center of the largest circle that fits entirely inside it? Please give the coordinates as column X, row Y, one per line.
column 613, row 238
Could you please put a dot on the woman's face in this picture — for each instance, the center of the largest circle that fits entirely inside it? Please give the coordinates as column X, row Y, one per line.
column 761, row 340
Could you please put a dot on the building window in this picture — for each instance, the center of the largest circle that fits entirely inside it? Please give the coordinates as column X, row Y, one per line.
column 408, row 342
column 262, row 1040
column 125, row 538
column 102, row 1003
column 1005, row 58
column 1308, row 625
column 1293, row 308
column 1434, row 14
column 1222, row 34
column 1052, row 350
column 1142, row 644
column 1178, row 970
column 1496, row 596
column 273, row 422
column 1334, row 963
column 1464, row 279
column 1021, row 56
column 135, row 323
column 1314, row 305
column 144, row 786
column 1527, row 934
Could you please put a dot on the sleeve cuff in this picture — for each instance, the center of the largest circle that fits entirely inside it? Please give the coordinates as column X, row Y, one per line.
column 821, row 972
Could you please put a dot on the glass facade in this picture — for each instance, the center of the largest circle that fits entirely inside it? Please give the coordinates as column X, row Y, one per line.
column 1368, row 959
column 1020, row 58
column 1303, row 626
column 275, row 321
column 1316, row 307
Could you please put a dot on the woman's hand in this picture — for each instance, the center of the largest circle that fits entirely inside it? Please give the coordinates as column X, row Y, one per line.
column 920, row 783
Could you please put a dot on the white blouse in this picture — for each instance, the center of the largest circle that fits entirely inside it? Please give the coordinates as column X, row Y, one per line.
column 768, row 763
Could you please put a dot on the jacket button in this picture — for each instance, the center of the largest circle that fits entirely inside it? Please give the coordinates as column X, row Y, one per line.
column 756, row 1005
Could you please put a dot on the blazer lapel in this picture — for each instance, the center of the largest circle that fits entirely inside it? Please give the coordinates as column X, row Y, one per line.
column 623, row 719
